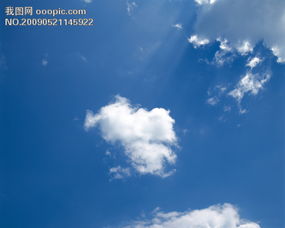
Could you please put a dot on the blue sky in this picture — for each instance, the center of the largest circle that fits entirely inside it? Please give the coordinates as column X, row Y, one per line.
column 54, row 172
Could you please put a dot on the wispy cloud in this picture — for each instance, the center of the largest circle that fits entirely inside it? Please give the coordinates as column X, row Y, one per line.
column 45, row 60
column 131, row 5
column 119, row 172
column 253, row 62
column 249, row 83
column 178, row 26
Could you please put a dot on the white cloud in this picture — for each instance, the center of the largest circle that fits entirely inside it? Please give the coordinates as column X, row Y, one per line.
column 83, row 58
column 88, row 1
column 146, row 136
column 224, row 45
column 250, row 83
column 215, row 94
column 227, row 108
column 278, row 52
column 218, row 216
column 253, row 62
column 131, row 7
column 212, row 101
column 244, row 47
column 223, row 56
column 44, row 62
column 178, row 26
column 119, row 172
column 202, row 2
column 243, row 24
column 198, row 41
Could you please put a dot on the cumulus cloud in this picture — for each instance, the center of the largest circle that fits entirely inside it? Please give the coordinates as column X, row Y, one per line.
column 243, row 24
column 218, row 216
column 249, row 83
column 146, row 136
column 88, row 1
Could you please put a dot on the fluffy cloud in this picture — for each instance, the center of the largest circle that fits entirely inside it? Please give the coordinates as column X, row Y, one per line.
column 250, row 83
column 146, row 136
column 219, row 216
column 243, row 23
